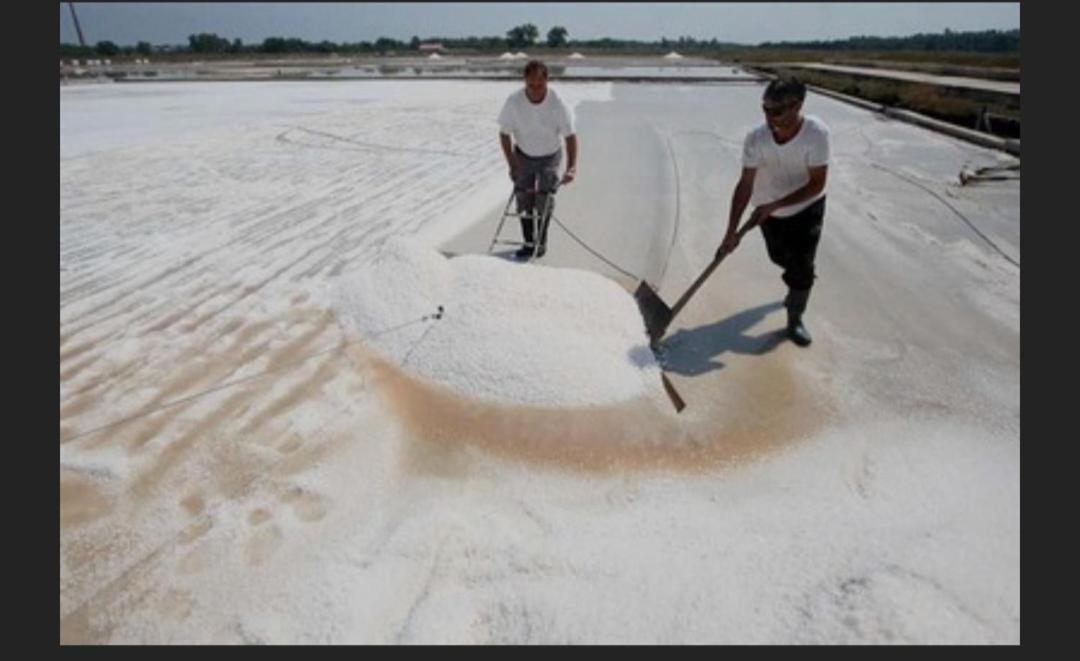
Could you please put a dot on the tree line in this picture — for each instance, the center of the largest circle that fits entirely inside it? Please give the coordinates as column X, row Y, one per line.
column 986, row 41
column 528, row 35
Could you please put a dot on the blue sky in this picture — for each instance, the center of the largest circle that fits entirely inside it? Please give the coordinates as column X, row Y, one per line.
column 749, row 23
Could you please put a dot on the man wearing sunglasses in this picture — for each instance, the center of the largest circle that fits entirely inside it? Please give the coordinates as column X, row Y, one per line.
column 785, row 161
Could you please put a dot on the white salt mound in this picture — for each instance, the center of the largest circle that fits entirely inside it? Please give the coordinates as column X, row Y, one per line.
column 673, row 56
column 510, row 333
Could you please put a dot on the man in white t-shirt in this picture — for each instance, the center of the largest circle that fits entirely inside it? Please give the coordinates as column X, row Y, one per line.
column 785, row 163
column 532, row 126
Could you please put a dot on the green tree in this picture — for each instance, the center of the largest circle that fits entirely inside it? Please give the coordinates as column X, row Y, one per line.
column 515, row 37
column 522, row 35
column 556, row 36
column 107, row 48
column 273, row 45
column 207, row 42
column 383, row 44
column 76, row 51
column 143, row 48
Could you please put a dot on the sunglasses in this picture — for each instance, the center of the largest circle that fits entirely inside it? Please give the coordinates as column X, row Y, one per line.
column 775, row 110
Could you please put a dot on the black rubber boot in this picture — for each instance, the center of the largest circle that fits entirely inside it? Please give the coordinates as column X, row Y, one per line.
column 527, row 249
column 545, row 208
column 796, row 305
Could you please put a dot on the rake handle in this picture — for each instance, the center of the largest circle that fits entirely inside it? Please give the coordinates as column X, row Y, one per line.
column 707, row 272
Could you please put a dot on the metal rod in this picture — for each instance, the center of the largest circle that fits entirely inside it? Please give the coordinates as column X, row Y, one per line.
column 71, row 6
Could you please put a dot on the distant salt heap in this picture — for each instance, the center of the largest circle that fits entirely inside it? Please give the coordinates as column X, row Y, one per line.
column 575, row 56
column 506, row 56
column 434, row 56
column 673, row 56
column 509, row 333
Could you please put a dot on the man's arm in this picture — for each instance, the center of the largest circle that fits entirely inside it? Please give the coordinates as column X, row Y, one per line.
column 508, row 152
column 740, row 198
column 571, row 158
column 818, row 174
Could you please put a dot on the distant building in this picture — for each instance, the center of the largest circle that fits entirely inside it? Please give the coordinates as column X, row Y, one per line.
column 432, row 47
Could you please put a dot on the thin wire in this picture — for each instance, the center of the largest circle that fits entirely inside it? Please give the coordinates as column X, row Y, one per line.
column 953, row 209
column 594, row 252
column 416, row 344
column 678, row 212
column 678, row 188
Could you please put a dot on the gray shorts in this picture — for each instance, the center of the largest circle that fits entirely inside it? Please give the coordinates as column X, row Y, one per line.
column 535, row 172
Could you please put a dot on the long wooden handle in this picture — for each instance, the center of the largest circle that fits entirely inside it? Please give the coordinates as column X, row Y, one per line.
column 749, row 225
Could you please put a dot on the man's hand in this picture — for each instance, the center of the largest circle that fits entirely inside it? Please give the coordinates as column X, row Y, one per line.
column 569, row 175
column 730, row 242
column 761, row 214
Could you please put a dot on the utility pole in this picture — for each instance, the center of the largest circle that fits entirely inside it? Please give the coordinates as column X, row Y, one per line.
column 71, row 6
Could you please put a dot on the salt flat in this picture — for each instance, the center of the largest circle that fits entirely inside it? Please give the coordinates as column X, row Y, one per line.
column 241, row 463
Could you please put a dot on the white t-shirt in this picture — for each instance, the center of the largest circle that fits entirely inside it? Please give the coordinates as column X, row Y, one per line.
column 781, row 169
column 536, row 127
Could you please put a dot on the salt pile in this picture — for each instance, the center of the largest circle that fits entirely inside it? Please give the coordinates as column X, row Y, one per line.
column 510, row 333
column 673, row 56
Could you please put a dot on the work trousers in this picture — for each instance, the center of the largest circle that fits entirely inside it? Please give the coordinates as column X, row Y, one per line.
column 792, row 244
column 536, row 173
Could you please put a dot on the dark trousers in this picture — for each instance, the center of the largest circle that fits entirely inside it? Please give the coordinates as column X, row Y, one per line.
column 792, row 243
column 536, row 173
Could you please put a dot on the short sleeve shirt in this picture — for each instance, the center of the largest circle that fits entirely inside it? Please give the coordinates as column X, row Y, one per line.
column 782, row 169
column 536, row 127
